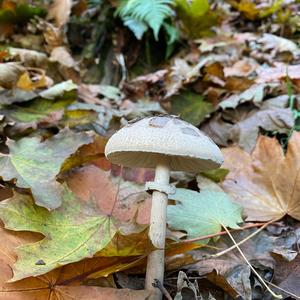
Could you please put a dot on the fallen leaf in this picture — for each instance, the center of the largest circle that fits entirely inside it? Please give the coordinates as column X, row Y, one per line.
column 63, row 57
column 287, row 276
column 29, row 57
column 191, row 107
column 242, row 126
column 10, row 73
column 265, row 182
column 38, row 110
column 83, row 231
column 35, row 164
column 279, row 72
column 203, row 213
column 277, row 44
column 230, row 271
column 60, row 11
column 93, row 152
column 16, row 95
column 32, row 79
column 241, row 68
column 255, row 94
column 245, row 132
column 124, row 200
column 58, row 90
column 53, row 286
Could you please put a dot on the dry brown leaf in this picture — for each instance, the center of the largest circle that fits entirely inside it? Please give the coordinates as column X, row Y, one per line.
column 63, row 57
column 31, row 58
column 267, row 182
column 280, row 71
column 55, row 285
column 241, row 68
column 10, row 74
column 60, row 11
column 124, row 200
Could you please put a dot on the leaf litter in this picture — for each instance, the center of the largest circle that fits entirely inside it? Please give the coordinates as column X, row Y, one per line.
column 72, row 73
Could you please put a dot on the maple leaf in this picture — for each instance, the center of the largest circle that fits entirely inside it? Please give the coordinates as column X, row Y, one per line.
column 124, row 200
column 82, row 230
column 61, row 283
column 35, row 164
column 202, row 213
column 267, row 182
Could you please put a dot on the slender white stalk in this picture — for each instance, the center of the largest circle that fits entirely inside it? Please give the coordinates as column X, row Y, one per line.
column 157, row 232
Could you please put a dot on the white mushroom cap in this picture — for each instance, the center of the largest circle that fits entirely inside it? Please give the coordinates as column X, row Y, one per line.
column 150, row 140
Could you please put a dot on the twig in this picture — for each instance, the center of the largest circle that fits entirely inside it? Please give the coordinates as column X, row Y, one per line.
column 281, row 289
column 251, row 267
column 157, row 284
column 242, row 241
column 204, row 237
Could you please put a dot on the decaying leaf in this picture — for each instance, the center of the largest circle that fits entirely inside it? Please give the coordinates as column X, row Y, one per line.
column 265, row 182
column 35, row 164
column 190, row 107
column 60, row 11
column 58, row 90
column 29, row 57
column 82, row 230
column 255, row 93
column 124, row 200
column 230, row 271
column 53, row 286
column 280, row 71
column 10, row 73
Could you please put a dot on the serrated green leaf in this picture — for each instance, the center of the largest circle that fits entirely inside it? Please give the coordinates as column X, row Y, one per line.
column 202, row 213
column 35, row 164
column 72, row 232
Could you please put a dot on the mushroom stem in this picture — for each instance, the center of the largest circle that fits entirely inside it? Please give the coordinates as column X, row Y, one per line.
column 157, row 231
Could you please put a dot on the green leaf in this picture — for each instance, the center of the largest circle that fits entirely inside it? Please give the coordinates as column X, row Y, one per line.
column 22, row 13
column 216, row 175
column 196, row 17
column 54, row 99
column 72, row 232
column 136, row 26
column 35, row 164
column 202, row 213
column 35, row 110
column 191, row 107
column 151, row 12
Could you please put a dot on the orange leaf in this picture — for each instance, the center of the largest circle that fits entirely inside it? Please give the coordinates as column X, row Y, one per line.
column 267, row 182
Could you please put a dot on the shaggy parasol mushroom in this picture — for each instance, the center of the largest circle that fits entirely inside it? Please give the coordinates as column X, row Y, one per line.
column 165, row 143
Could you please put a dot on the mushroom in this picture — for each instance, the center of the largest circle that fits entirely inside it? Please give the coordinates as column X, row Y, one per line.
column 165, row 143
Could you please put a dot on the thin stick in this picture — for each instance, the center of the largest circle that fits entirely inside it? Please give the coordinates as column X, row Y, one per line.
column 281, row 289
column 204, row 237
column 242, row 241
column 156, row 283
column 249, row 264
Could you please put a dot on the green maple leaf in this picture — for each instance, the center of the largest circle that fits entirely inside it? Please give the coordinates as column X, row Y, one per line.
column 72, row 232
column 203, row 213
column 35, row 164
